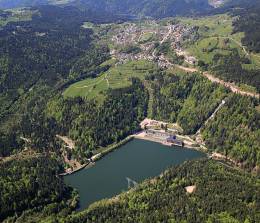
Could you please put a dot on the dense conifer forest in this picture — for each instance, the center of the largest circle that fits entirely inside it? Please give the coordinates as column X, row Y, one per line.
column 31, row 183
column 188, row 100
column 230, row 68
column 43, row 55
column 90, row 125
column 236, row 130
column 249, row 22
column 38, row 59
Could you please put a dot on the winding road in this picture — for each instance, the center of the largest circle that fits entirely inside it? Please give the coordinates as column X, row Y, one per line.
column 234, row 88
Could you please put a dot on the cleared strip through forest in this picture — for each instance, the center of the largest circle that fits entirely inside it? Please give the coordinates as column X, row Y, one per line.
column 234, row 88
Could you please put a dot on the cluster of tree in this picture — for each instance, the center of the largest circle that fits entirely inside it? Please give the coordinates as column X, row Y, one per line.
column 8, row 143
column 40, row 58
column 230, row 68
column 187, row 99
column 30, row 183
column 235, row 131
column 249, row 22
column 41, row 50
column 134, row 49
column 15, row 121
column 152, row 8
column 166, row 49
column 92, row 125
column 222, row 194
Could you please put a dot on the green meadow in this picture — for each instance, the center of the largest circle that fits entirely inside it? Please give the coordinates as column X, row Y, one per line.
column 216, row 37
column 118, row 76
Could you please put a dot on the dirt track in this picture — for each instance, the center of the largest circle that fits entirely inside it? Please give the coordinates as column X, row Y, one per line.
column 214, row 79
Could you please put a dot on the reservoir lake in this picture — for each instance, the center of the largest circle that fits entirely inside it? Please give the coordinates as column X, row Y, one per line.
column 136, row 160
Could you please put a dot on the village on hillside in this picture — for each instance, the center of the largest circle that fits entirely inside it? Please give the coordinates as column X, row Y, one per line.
column 141, row 41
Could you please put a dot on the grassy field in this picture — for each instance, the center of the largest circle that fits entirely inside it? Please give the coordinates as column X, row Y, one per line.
column 248, row 88
column 176, row 71
column 88, row 25
column 206, row 48
column 147, row 37
column 215, row 36
column 117, row 76
column 18, row 15
column 219, row 25
column 255, row 59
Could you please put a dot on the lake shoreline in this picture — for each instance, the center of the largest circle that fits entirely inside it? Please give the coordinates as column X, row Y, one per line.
column 111, row 148
column 138, row 135
column 130, row 165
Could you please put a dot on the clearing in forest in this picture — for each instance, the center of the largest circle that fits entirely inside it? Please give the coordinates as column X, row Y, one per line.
column 216, row 36
column 116, row 77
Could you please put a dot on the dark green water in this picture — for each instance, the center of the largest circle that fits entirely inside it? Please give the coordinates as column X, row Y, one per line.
column 138, row 160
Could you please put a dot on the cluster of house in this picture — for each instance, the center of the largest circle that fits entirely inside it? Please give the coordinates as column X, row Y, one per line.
column 187, row 58
column 131, row 34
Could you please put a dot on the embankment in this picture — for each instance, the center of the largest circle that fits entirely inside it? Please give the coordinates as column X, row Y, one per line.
column 111, row 148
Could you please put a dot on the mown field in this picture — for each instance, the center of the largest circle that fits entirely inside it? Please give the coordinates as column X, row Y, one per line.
column 118, row 76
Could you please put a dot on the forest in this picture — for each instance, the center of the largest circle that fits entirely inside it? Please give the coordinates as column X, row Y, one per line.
column 190, row 100
column 249, row 23
column 223, row 194
column 235, row 131
column 133, row 7
column 31, row 183
column 41, row 57
column 230, row 68
column 187, row 99
column 38, row 59
column 90, row 125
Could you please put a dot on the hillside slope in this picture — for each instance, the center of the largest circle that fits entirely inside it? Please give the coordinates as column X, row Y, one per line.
column 6, row 4
column 152, row 8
